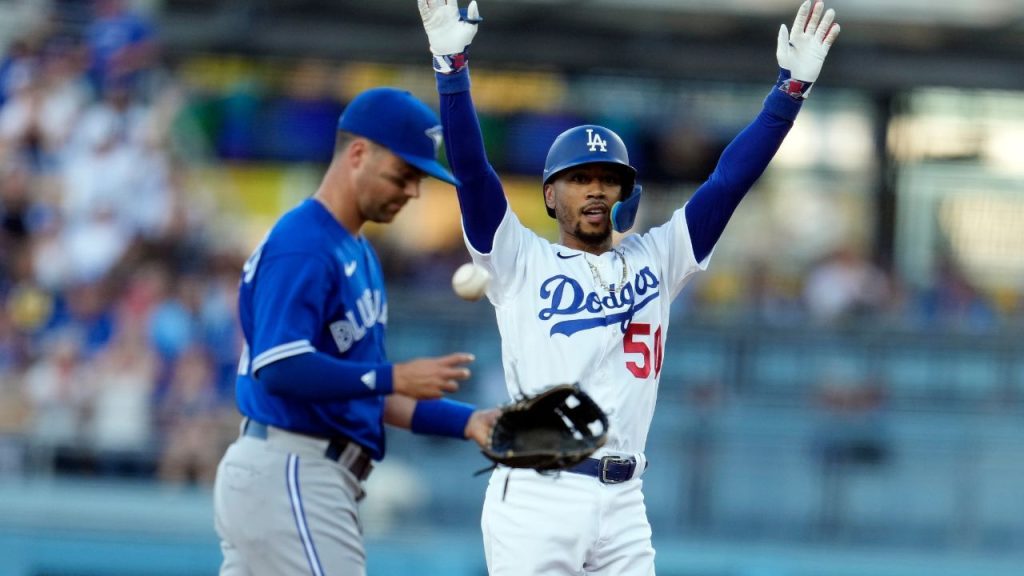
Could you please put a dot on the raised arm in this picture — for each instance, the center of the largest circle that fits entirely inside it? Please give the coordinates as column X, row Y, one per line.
column 801, row 54
column 481, row 196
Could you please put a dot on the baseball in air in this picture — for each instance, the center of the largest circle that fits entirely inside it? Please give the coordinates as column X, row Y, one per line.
column 470, row 282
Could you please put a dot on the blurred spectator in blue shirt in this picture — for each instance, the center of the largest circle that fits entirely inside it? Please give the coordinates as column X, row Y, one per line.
column 122, row 43
column 16, row 67
column 953, row 303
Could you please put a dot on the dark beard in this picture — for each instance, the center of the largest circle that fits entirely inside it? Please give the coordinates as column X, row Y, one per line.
column 594, row 238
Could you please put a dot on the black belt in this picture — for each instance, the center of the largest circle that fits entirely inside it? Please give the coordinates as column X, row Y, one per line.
column 609, row 470
column 359, row 465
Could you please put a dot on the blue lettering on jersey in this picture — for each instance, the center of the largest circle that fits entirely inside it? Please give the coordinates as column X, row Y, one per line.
column 567, row 298
column 371, row 309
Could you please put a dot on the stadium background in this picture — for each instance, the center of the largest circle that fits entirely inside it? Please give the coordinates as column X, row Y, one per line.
column 843, row 392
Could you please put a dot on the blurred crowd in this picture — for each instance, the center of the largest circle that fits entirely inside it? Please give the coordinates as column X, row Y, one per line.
column 844, row 287
column 118, row 337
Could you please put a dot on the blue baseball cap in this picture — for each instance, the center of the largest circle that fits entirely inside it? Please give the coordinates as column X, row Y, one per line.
column 398, row 121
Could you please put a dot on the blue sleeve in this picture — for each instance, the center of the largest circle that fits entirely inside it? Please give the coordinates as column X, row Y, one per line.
column 442, row 417
column 741, row 164
column 481, row 196
column 289, row 302
column 324, row 378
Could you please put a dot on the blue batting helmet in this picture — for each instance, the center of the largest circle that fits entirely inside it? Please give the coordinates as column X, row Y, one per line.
column 589, row 144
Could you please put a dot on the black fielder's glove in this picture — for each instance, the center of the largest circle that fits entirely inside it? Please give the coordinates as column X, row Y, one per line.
column 553, row 430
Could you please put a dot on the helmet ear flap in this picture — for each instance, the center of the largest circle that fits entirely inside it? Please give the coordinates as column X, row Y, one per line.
column 624, row 211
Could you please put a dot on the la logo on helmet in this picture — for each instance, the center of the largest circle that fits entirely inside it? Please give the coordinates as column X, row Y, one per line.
column 594, row 141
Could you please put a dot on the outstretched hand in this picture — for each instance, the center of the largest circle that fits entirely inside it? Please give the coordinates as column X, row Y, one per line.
column 431, row 378
column 448, row 32
column 801, row 51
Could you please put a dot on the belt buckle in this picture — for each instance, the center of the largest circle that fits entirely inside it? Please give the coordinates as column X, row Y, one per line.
column 603, row 469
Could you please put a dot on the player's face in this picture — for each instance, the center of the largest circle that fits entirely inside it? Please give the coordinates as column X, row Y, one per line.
column 582, row 198
column 387, row 183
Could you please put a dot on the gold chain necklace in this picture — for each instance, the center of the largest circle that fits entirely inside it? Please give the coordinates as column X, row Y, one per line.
column 597, row 275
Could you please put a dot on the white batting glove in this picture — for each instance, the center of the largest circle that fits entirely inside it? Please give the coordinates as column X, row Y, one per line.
column 801, row 53
column 448, row 32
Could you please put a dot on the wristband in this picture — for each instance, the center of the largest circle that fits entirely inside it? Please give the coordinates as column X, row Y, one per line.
column 451, row 63
column 453, row 83
column 441, row 418
column 779, row 104
column 795, row 89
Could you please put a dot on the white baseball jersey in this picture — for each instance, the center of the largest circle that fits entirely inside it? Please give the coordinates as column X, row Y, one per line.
column 567, row 316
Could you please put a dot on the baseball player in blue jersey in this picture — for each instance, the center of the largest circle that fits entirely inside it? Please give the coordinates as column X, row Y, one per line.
column 582, row 310
column 314, row 384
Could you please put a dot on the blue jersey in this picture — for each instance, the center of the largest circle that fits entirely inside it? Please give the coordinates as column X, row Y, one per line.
column 313, row 287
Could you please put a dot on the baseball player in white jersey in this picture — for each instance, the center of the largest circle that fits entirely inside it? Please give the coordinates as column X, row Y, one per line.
column 582, row 310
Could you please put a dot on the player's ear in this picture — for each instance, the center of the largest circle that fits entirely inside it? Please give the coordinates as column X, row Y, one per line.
column 549, row 196
column 348, row 151
column 357, row 152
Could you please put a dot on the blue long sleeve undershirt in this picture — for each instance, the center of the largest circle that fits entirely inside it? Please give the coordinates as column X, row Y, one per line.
column 482, row 198
column 741, row 164
column 319, row 377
